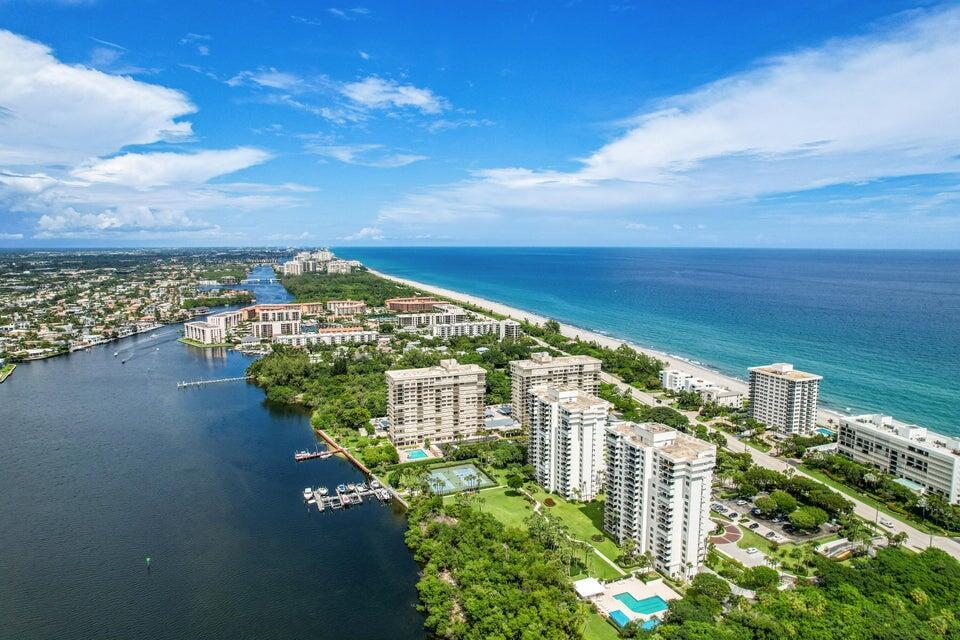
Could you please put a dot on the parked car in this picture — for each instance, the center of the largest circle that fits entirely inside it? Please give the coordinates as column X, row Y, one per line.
column 753, row 550
column 755, row 511
column 772, row 535
column 740, row 503
column 755, row 525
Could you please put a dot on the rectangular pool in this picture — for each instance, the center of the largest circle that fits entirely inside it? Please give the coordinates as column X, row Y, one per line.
column 619, row 617
column 647, row 606
column 416, row 454
column 824, row 432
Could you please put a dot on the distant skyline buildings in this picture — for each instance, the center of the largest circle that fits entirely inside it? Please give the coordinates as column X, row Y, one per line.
column 439, row 125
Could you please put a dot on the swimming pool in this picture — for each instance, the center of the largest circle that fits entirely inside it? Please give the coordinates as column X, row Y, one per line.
column 824, row 432
column 650, row 624
column 416, row 454
column 619, row 617
column 647, row 606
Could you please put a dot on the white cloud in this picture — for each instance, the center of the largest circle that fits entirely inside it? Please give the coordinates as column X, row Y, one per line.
column 270, row 78
column 366, row 233
column 437, row 126
column 348, row 14
column 364, row 55
column 638, row 226
column 122, row 221
column 11, row 236
column 848, row 112
column 57, row 113
column 377, row 93
column 360, row 154
column 144, row 170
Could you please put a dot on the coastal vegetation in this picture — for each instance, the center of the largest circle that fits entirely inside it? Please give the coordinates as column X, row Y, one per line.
column 358, row 285
column 897, row 594
column 631, row 366
column 484, row 580
column 929, row 509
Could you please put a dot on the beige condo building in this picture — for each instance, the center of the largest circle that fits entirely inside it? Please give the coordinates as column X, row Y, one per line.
column 577, row 372
column 440, row 404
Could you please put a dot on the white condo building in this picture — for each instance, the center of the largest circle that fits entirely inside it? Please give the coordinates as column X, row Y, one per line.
column 346, row 307
column 674, row 380
column 926, row 460
column 503, row 328
column 658, row 494
column 578, row 372
column 566, row 442
column 204, row 332
column 783, row 398
column 328, row 336
column 442, row 403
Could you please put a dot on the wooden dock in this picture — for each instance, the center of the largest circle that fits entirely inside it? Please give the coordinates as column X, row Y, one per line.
column 350, row 497
column 300, row 456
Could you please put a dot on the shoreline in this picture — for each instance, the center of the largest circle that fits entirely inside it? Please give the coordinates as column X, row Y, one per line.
column 572, row 331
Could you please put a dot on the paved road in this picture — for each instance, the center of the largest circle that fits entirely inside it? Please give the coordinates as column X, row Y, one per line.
column 915, row 538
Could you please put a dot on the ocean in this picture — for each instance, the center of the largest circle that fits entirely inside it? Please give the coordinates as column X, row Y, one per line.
column 881, row 327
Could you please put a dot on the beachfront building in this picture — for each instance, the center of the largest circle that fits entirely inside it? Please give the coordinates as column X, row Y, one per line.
column 346, row 307
column 204, row 332
column 721, row 396
column 503, row 328
column 783, row 398
column 658, row 494
column 440, row 313
column 577, row 372
column 339, row 266
column 328, row 336
column 416, row 304
column 923, row 460
column 566, row 441
column 673, row 380
column 439, row 404
column 709, row 391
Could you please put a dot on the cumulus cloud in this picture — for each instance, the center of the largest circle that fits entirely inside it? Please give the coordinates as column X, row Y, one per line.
column 71, row 222
column 366, row 155
column 58, row 113
column 378, row 93
column 144, row 170
column 850, row 111
column 366, row 233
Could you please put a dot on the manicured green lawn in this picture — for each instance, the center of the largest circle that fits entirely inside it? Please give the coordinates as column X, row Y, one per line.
column 597, row 628
column 194, row 343
column 582, row 520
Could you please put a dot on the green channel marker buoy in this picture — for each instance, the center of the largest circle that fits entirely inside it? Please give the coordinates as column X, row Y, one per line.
column 148, row 564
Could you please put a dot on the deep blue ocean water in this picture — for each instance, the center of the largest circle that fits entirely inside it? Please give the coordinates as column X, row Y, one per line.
column 882, row 327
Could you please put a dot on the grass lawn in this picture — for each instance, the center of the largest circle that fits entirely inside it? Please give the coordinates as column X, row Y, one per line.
column 862, row 497
column 6, row 370
column 194, row 343
column 597, row 628
column 582, row 520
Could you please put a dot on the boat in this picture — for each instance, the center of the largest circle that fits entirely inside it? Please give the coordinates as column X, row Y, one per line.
column 116, row 353
column 361, row 487
column 351, row 487
column 307, row 493
column 323, row 491
column 374, row 484
column 341, row 488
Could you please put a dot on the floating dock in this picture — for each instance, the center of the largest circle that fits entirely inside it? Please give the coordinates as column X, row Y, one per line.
column 349, row 497
column 300, row 456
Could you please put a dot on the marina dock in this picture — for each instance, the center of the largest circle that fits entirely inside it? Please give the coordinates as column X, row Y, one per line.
column 300, row 456
column 345, row 496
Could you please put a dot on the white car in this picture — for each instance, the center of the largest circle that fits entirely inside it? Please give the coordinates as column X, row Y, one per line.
column 753, row 550
column 887, row 523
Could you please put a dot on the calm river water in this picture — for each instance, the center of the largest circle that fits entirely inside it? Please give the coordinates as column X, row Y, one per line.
column 103, row 464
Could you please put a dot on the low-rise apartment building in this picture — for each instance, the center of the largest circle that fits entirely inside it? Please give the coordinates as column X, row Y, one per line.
column 928, row 460
column 658, row 494
column 784, row 399
column 566, row 443
column 328, row 336
column 204, row 332
column 346, row 307
column 416, row 304
column 439, row 404
column 578, row 372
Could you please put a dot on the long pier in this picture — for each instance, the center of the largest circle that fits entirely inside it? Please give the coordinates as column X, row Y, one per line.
column 200, row 383
column 300, row 456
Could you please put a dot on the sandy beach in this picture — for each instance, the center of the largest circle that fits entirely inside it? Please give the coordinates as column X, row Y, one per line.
column 673, row 362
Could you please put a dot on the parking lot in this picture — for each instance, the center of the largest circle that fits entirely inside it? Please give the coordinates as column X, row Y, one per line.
column 776, row 529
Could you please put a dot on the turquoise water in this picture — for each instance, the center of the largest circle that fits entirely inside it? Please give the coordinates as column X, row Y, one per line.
column 619, row 617
column 882, row 327
column 417, row 454
column 824, row 432
column 647, row 606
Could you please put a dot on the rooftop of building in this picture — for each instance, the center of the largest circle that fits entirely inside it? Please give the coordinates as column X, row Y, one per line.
column 445, row 368
column 542, row 360
column 570, row 398
column 785, row 370
column 680, row 446
column 908, row 432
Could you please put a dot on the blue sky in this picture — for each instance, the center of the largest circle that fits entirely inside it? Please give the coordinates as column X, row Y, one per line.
column 828, row 124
